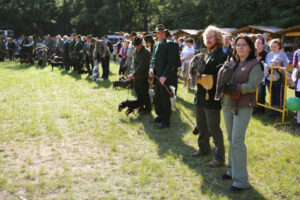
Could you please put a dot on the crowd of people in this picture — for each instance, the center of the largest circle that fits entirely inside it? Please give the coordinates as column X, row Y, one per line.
column 164, row 58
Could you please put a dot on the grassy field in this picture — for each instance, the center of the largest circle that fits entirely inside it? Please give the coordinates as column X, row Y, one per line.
column 61, row 137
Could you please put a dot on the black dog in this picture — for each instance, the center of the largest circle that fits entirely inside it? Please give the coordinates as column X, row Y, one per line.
column 55, row 64
column 122, row 82
column 25, row 61
column 130, row 104
column 17, row 55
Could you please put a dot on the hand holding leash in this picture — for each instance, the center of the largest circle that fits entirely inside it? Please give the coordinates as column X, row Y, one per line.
column 162, row 80
column 151, row 74
column 196, row 131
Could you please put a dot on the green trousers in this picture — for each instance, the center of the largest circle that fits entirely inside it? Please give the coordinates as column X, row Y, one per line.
column 236, row 126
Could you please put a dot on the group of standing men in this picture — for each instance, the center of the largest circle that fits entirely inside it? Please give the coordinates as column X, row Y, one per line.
column 89, row 50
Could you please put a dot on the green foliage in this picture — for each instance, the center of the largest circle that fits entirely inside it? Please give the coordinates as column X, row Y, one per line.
column 107, row 16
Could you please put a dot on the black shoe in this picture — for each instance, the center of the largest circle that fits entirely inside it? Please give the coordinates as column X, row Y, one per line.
column 225, row 177
column 144, row 112
column 195, row 131
column 155, row 120
column 199, row 153
column 162, row 126
column 234, row 189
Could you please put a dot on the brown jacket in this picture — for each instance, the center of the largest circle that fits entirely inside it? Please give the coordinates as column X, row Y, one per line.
column 241, row 75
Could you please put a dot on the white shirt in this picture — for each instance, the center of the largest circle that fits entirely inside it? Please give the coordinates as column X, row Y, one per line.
column 187, row 52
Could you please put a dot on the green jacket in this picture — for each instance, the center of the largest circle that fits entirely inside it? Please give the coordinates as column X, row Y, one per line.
column 72, row 45
column 77, row 48
column 214, row 60
column 59, row 44
column 2, row 44
column 176, row 60
column 163, row 57
column 141, row 62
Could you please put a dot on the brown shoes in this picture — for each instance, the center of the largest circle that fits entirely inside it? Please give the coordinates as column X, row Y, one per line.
column 215, row 163
column 198, row 154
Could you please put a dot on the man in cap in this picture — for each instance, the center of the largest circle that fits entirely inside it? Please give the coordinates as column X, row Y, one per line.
column 141, row 61
column 161, row 67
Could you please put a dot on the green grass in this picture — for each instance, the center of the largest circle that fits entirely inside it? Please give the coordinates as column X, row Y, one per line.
column 61, row 137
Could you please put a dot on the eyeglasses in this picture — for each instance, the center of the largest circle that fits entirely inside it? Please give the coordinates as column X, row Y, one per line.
column 241, row 45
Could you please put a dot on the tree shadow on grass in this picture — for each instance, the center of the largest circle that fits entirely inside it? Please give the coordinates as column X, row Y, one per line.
column 170, row 141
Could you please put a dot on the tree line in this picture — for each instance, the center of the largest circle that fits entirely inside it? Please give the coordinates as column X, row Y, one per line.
column 100, row 17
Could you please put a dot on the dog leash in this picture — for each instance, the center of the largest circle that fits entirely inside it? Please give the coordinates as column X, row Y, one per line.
column 172, row 95
column 127, row 93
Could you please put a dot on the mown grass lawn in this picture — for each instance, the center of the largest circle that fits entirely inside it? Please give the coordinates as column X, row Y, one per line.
column 61, row 137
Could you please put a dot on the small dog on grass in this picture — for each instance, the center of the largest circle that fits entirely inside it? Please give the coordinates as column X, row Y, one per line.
column 25, row 61
column 95, row 73
column 173, row 97
column 131, row 106
column 151, row 94
column 55, row 64
column 122, row 82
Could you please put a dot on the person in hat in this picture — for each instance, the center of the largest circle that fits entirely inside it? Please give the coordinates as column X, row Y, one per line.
column 169, row 36
column 177, row 61
column 163, row 57
column 141, row 62
column 149, row 42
